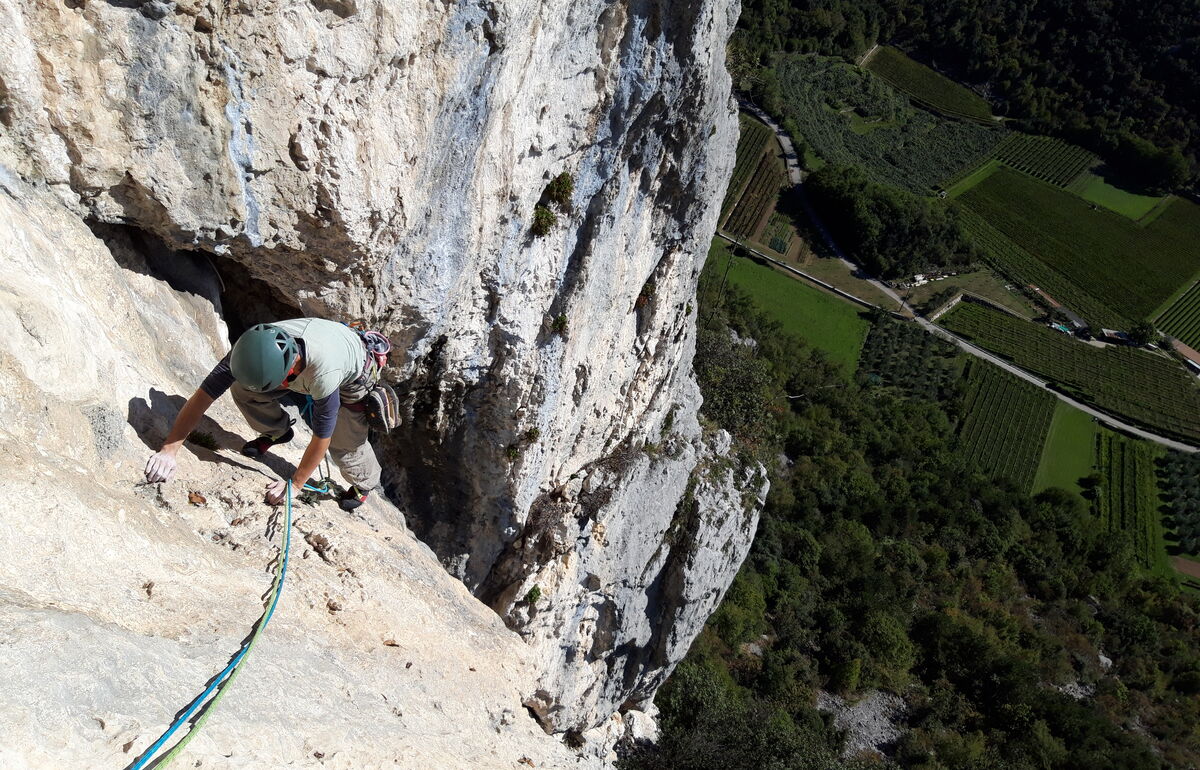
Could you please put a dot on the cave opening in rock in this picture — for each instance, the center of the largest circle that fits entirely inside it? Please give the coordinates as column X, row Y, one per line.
column 235, row 295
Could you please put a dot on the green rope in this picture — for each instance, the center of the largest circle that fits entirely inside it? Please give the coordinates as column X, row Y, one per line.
column 235, row 667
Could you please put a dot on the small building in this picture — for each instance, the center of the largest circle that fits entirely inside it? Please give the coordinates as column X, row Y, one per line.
column 1115, row 337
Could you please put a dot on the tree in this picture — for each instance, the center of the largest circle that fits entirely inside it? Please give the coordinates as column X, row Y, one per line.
column 1142, row 332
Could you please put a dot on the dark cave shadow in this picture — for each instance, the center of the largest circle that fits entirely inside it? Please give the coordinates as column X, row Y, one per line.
column 152, row 421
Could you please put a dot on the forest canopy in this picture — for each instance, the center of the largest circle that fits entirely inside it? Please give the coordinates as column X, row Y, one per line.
column 1117, row 77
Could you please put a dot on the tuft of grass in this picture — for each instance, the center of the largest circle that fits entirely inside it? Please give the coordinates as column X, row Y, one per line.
column 560, row 190
column 543, row 221
column 512, row 452
column 559, row 324
column 533, row 594
column 531, row 435
column 203, row 439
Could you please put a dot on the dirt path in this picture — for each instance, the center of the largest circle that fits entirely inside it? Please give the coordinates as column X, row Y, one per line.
column 1186, row 566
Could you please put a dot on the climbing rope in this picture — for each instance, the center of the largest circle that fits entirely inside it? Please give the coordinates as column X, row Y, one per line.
column 198, row 710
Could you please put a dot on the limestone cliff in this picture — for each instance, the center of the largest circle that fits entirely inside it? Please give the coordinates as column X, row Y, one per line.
column 383, row 161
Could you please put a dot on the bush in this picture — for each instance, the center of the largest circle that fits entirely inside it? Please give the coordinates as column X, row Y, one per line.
column 559, row 324
column 543, row 220
column 560, row 190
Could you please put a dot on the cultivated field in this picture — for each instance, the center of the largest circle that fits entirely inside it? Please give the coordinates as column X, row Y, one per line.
column 1182, row 319
column 751, row 143
column 1024, row 269
column 851, row 117
column 778, row 234
column 758, row 198
column 1005, row 424
column 1128, row 268
column 826, row 322
column 1144, row 388
column 905, row 356
column 927, row 87
column 1051, row 160
column 1127, row 499
column 1179, row 480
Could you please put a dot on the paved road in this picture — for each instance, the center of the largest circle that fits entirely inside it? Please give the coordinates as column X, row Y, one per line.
column 1103, row 417
column 796, row 175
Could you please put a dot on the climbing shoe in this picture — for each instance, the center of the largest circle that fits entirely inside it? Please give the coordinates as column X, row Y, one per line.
column 259, row 446
column 352, row 498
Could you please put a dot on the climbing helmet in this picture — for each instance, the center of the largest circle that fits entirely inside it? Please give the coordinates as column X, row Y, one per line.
column 262, row 358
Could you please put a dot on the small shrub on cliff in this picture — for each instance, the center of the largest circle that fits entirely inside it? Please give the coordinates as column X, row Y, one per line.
column 560, row 190
column 533, row 595
column 559, row 324
column 202, row 439
column 543, row 220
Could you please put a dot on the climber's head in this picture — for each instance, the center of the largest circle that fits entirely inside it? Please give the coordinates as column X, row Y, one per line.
column 263, row 357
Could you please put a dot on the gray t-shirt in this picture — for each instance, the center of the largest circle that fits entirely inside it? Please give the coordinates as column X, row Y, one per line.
column 334, row 356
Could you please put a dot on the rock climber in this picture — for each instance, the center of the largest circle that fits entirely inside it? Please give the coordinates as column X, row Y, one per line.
column 326, row 360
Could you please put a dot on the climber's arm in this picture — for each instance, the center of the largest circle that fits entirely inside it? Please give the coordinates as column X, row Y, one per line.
column 187, row 420
column 161, row 465
column 316, row 450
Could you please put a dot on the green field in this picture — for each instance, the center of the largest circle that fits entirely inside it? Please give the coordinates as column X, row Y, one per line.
column 826, row 322
column 1067, row 455
column 927, row 87
column 752, row 141
column 1025, row 270
column 1128, row 268
column 1127, row 499
column 905, row 356
column 1046, row 158
column 759, row 196
column 1005, row 424
column 1141, row 387
column 1182, row 319
column 851, row 117
column 1093, row 188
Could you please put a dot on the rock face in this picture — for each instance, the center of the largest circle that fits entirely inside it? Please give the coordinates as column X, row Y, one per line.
column 375, row 160
column 118, row 601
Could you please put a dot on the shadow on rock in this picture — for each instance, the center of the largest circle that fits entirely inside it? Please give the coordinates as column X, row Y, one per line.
column 152, row 421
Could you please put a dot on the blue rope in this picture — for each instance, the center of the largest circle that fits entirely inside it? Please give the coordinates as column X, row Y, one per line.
column 227, row 673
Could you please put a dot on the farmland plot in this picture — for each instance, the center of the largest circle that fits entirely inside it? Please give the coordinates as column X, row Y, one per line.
column 751, row 143
column 1127, row 499
column 1147, row 389
column 1046, row 158
column 1126, row 267
column 927, row 86
column 1004, row 425
column 851, row 117
column 1182, row 319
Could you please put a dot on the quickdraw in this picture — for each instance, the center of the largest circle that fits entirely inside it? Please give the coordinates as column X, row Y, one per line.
column 198, row 711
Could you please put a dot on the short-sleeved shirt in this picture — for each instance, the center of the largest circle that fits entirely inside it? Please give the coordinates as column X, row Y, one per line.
column 333, row 358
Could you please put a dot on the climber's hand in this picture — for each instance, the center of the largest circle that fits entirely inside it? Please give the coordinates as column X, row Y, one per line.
column 160, row 467
column 275, row 492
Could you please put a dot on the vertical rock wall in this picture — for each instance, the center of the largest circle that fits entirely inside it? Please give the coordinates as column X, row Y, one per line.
column 383, row 161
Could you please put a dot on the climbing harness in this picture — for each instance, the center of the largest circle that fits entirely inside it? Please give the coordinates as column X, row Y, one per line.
column 198, row 710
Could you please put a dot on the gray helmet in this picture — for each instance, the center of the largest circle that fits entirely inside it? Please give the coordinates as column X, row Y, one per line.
column 261, row 358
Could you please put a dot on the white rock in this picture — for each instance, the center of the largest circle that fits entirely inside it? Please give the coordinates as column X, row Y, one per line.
column 383, row 160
